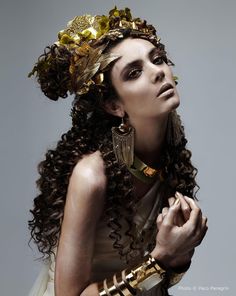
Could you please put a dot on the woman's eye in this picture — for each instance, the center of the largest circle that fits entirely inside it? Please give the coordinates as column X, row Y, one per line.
column 158, row 60
column 135, row 73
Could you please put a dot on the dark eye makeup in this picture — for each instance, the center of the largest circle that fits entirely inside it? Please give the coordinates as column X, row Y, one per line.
column 135, row 71
column 158, row 60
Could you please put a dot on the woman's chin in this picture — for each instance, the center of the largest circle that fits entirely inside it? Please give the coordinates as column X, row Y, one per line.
column 174, row 103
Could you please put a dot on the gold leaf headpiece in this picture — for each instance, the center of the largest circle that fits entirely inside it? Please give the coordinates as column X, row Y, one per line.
column 87, row 27
column 86, row 38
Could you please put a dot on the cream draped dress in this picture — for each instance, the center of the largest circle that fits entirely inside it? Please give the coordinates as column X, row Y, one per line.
column 106, row 261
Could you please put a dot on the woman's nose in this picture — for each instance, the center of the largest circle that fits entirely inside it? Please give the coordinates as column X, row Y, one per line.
column 157, row 73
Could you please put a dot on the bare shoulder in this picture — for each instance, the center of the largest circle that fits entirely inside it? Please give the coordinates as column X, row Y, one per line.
column 89, row 172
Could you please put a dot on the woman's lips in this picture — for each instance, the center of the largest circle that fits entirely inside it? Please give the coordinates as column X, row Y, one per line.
column 164, row 88
column 168, row 93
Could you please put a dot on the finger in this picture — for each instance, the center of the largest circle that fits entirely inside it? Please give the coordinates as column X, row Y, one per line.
column 164, row 211
column 184, row 206
column 171, row 201
column 204, row 220
column 201, row 231
column 202, row 236
column 191, row 202
column 196, row 213
column 180, row 220
column 194, row 219
column 172, row 213
column 159, row 221
column 199, row 225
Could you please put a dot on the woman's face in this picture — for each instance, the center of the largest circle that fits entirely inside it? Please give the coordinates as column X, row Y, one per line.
column 138, row 77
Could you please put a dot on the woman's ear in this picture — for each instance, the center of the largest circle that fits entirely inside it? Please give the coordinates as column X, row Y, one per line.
column 114, row 107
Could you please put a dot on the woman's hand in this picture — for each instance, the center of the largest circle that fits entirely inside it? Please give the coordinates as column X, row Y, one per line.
column 179, row 220
column 181, row 228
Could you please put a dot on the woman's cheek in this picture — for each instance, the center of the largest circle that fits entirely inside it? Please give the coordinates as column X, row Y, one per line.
column 139, row 88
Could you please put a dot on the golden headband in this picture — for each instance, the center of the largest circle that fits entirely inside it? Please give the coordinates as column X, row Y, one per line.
column 86, row 38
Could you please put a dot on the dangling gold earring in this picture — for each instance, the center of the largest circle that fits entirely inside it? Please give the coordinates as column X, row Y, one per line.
column 123, row 143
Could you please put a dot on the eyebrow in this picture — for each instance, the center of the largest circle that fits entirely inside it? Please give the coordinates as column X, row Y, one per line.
column 137, row 62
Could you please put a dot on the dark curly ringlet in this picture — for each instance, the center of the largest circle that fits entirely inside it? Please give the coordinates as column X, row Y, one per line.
column 52, row 72
column 91, row 131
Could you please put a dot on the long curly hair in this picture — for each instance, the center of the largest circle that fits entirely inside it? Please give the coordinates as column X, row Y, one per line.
column 91, row 131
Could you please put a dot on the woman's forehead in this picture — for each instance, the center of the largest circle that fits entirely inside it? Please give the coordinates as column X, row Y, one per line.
column 132, row 45
column 131, row 49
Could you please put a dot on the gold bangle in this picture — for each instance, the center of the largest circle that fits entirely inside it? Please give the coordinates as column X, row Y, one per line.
column 125, row 279
column 117, row 287
column 145, row 276
column 105, row 287
column 120, row 285
column 111, row 289
column 102, row 292
column 101, row 289
column 140, row 278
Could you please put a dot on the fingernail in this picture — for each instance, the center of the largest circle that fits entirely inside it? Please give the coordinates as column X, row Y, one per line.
column 176, row 202
column 172, row 202
column 177, row 194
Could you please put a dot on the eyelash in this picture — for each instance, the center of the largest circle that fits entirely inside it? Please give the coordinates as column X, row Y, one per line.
column 133, row 71
column 159, row 58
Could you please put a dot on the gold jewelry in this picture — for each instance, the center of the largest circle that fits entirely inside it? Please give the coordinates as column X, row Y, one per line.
column 86, row 38
column 123, row 143
column 146, row 275
column 140, row 278
column 120, row 285
column 176, row 78
column 131, row 289
column 144, row 172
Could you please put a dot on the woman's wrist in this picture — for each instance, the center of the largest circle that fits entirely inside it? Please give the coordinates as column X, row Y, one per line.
column 181, row 268
column 163, row 259
column 175, row 268
column 177, row 264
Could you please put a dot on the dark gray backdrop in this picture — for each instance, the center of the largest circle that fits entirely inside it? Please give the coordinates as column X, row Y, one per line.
column 200, row 38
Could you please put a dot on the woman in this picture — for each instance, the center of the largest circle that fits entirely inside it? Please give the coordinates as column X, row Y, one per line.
column 116, row 213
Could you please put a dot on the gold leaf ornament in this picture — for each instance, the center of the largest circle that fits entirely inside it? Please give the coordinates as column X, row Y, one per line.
column 85, row 27
column 80, row 23
column 82, row 36
column 83, row 50
column 88, row 66
column 107, row 59
column 103, row 25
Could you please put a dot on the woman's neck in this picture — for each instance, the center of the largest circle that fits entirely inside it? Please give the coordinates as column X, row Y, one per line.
column 149, row 139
